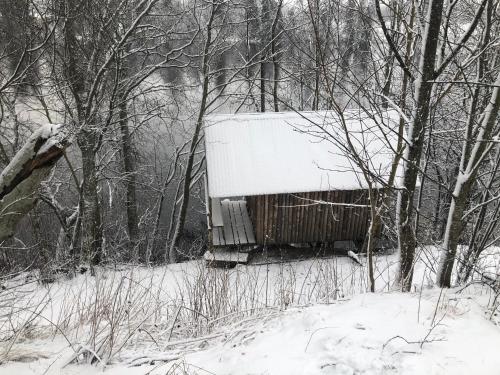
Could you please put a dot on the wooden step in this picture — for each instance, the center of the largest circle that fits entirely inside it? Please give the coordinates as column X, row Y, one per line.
column 225, row 258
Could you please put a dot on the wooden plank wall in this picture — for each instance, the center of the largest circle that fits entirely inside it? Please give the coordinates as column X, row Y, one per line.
column 296, row 218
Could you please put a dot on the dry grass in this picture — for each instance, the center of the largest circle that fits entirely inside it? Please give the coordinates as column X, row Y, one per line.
column 167, row 308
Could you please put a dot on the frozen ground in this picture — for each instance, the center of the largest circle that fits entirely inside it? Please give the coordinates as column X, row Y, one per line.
column 305, row 317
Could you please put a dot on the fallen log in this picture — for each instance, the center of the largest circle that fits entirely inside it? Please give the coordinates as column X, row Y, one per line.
column 21, row 178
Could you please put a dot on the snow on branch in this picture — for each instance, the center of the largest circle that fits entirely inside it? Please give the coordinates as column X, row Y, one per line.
column 20, row 180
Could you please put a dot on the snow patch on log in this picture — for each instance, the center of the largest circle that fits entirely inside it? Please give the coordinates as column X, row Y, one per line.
column 38, row 143
column 29, row 167
column 54, row 137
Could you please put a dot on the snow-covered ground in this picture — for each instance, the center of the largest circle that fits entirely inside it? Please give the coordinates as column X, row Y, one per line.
column 370, row 334
column 300, row 317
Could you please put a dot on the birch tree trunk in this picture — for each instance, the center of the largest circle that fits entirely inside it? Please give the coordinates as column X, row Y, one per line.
column 463, row 186
column 478, row 243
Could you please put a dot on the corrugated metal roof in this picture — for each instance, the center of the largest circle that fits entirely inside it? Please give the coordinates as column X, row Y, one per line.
column 272, row 153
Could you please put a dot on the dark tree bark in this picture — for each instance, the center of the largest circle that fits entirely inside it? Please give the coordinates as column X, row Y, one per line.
column 130, row 182
column 275, row 55
column 264, row 29
column 422, row 97
column 91, row 221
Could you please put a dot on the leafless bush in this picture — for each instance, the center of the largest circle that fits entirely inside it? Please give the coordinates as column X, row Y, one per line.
column 132, row 308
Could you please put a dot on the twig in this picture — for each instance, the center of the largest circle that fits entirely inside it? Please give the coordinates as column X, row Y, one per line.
column 189, row 341
column 173, row 323
column 312, row 334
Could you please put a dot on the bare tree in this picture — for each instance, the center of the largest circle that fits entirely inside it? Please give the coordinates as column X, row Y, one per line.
column 424, row 76
column 465, row 180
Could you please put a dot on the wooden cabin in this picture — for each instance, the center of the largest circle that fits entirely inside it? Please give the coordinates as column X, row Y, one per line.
column 288, row 178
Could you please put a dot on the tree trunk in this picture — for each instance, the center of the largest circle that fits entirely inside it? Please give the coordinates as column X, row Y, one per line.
column 45, row 258
column 422, row 96
column 274, row 53
column 262, row 83
column 181, row 219
column 91, row 226
column 472, row 154
column 372, row 231
column 315, row 104
column 130, row 178
column 476, row 244
column 475, row 249
column 264, row 33
column 161, row 199
column 463, row 186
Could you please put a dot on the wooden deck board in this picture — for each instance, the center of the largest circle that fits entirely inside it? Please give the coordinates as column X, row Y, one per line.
column 239, row 239
column 218, row 236
column 227, row 210
column 238, row 223
column 228, row 228
column 227, row 257
column 247, row 224
column 216, row 213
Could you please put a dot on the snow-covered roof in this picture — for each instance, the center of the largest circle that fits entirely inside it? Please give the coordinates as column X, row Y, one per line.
column 290, row 152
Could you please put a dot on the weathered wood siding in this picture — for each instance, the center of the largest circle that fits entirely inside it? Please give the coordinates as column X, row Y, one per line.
column 296, row 218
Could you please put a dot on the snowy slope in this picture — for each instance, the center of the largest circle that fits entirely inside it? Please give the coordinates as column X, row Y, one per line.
column 389, row 333
column 298, row 317
column 365, row 336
